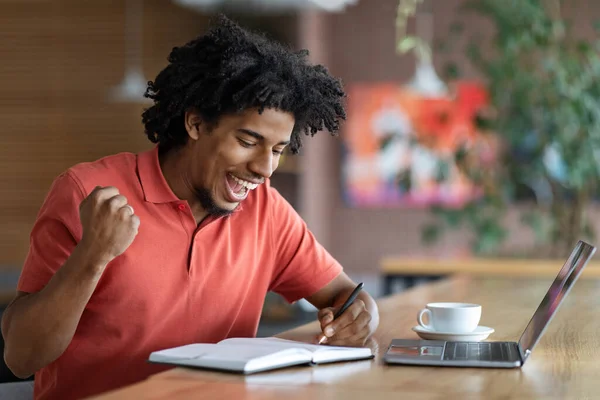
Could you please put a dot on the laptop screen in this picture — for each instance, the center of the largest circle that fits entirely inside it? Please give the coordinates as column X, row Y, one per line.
column 560, row 287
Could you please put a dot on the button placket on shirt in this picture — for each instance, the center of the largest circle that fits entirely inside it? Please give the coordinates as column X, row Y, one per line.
column 190, row 228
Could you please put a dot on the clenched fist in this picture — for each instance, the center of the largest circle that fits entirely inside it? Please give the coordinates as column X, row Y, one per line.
column 109, row 223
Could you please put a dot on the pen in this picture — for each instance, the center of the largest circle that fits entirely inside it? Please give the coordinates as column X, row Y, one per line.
column 345, row 306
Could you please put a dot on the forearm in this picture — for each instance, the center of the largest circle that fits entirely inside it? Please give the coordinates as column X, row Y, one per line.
column 38, row 327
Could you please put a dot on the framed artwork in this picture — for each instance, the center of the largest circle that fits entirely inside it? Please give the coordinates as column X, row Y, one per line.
column 399, row 146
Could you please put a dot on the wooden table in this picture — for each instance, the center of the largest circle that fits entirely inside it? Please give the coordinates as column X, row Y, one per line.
column 407, row 270
column 565, row 365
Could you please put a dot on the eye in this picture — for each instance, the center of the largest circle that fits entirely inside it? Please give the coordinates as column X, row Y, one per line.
column 277, row 152
column 245, row 143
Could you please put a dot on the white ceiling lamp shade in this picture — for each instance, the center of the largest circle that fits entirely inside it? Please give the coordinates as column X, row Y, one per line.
column 333, row 5
column 426, row 81
column 265, row 6
column 134, row 84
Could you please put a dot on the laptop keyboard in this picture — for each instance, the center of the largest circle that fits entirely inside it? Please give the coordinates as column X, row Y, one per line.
column 488, row 351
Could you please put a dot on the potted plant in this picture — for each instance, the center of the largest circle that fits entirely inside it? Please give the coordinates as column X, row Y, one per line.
column 544, row 95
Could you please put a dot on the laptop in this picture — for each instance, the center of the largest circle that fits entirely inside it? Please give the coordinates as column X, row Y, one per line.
column 495, row 354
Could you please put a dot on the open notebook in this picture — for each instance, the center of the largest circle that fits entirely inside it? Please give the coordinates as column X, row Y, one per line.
column 249, row 355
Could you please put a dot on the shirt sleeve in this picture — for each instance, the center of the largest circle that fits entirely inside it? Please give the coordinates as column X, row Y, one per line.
column 54, row 235
column 302, row 265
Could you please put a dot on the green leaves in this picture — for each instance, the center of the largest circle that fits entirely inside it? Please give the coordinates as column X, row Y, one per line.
column 431, row 233
column 407, row 43
column 451, row 71
column 588, row 231
column 540, row 224
column 457, row 28
column 452, row 217
column 544, row 88
column 490, row 235
column 483, row 217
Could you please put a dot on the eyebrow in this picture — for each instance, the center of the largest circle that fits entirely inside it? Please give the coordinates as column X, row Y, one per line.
column 258, row 136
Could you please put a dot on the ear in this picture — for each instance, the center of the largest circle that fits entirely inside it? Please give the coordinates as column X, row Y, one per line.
column 193, row 124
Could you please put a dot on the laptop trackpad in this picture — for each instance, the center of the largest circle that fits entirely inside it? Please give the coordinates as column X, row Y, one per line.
column 416, row 350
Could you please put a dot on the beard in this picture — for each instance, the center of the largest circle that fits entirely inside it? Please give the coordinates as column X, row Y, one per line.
column 208, row 203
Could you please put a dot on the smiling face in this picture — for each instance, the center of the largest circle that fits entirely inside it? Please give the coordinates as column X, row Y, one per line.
column 229, row 160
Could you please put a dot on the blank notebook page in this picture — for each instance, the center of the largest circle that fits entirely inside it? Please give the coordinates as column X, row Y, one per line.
column 224, row 351
column 320, row 353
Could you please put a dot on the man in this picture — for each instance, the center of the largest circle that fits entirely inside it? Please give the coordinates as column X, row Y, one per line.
column 136, row 253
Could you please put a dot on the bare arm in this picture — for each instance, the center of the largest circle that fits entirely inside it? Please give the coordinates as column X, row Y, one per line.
column 38, row 327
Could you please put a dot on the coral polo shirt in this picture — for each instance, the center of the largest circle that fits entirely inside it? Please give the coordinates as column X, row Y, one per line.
column 178, row 283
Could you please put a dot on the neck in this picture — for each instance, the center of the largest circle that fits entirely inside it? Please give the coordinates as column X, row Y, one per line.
column 173, row 164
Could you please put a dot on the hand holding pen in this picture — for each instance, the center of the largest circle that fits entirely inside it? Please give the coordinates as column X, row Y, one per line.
column 347, row 325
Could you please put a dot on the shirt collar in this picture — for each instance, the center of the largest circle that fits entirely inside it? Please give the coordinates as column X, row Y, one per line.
column 155, row 187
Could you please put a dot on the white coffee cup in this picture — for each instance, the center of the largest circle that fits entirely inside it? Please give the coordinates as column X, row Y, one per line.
column 450, row 317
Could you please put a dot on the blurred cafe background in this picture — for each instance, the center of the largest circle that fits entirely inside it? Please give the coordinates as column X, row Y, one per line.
column 472, row 142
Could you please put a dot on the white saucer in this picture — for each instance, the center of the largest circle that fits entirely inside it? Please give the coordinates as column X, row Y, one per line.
column 480, row 333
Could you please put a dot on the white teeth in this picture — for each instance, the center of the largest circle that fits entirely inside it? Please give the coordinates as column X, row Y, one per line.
column 246, row 184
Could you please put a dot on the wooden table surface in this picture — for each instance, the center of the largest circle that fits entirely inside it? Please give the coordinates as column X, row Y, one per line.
column 499, row 267
column 564, row 365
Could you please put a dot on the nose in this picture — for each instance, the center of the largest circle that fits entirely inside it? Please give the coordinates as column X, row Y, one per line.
column 264, row 164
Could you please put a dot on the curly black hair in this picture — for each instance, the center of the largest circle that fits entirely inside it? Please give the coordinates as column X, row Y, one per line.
column 230, row 69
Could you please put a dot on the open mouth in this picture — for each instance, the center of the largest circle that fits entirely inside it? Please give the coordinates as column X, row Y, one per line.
column 238, row 188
